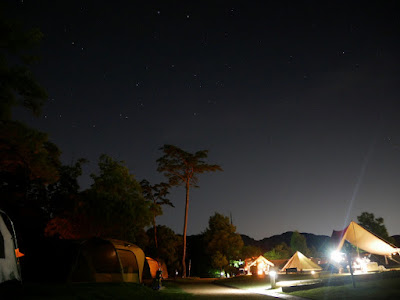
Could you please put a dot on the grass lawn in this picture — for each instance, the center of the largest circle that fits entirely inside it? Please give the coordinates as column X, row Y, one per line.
column 30, row 291
column 388, row 288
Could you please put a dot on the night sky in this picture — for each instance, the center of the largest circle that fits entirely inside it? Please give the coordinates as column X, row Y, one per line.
column 298, row 101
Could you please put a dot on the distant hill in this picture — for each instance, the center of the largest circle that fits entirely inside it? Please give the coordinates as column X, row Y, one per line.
column 320, row 242
column 266, row 244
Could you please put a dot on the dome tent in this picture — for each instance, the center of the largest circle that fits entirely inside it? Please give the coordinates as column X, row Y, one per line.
column 8, row 261
column 155, row 265
column 108, row 260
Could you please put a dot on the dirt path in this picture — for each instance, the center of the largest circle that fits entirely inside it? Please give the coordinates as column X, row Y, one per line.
column 205, row 289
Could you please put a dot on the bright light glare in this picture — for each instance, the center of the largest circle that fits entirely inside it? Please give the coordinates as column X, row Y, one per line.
column 260, row 272
column 312, row 272
column 272, row 274
column 362, row 264
column 337, row 256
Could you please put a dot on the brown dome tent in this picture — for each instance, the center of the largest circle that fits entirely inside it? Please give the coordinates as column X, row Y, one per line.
column 108, row 260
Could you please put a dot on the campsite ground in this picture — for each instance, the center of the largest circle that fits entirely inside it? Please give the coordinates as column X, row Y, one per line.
column 384, row 285
column 184, row 289
column 205, row 288
column 30, row 291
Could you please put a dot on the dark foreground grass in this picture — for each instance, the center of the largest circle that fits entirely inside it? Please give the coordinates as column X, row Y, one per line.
column 245, row 282
column 388, row 288
column 30, row 291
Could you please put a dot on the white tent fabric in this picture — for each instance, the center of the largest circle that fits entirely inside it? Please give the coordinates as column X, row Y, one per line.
column 263, row 265
column 8, row 261
column 261, row 259
column 302, row 263
column 367, row 241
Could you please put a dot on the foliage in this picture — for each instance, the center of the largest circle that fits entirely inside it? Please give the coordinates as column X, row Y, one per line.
column 113, row 207
column 231, row 270
column 115, row 201
column 27, row 152
column 169, row 245
column 181, row 168
column 63, row 195
column 313, row 252
column 18, row 87
column 28, row 163
column 157, row 195
column 236, row 263
column 298, row 243
column 251, row 251
column 221, row 237
column 219, row 260
column 375, row 225
column 280, row 251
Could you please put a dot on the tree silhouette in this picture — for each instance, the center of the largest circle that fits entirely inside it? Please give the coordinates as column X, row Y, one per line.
column 156, row 194
column 375, row 225
column 298, row 242
column 221, row 236
column 182, row 168
column 18, row 86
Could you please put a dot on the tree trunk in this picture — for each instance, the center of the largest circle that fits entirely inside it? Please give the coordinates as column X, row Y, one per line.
column 184, row 231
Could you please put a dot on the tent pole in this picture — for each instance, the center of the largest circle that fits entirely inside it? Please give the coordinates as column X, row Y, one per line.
column 358, row 251
column 348, row 254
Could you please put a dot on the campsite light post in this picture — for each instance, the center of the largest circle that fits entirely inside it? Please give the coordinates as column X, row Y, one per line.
column 190, row 265
column 272, row 279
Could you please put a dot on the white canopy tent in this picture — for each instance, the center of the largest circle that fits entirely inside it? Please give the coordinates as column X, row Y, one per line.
column 365, row 240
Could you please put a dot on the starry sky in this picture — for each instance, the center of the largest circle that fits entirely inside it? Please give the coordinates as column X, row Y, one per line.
column 298, row 101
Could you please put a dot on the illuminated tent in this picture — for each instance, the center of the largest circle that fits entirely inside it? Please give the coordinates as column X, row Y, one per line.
column 8, row 261
column 155, row 265
column 260, row 262
column 302, row 263
column 365, row 240
column 107, row 260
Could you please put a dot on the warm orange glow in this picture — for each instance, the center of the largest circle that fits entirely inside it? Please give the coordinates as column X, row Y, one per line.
column 18, row 254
